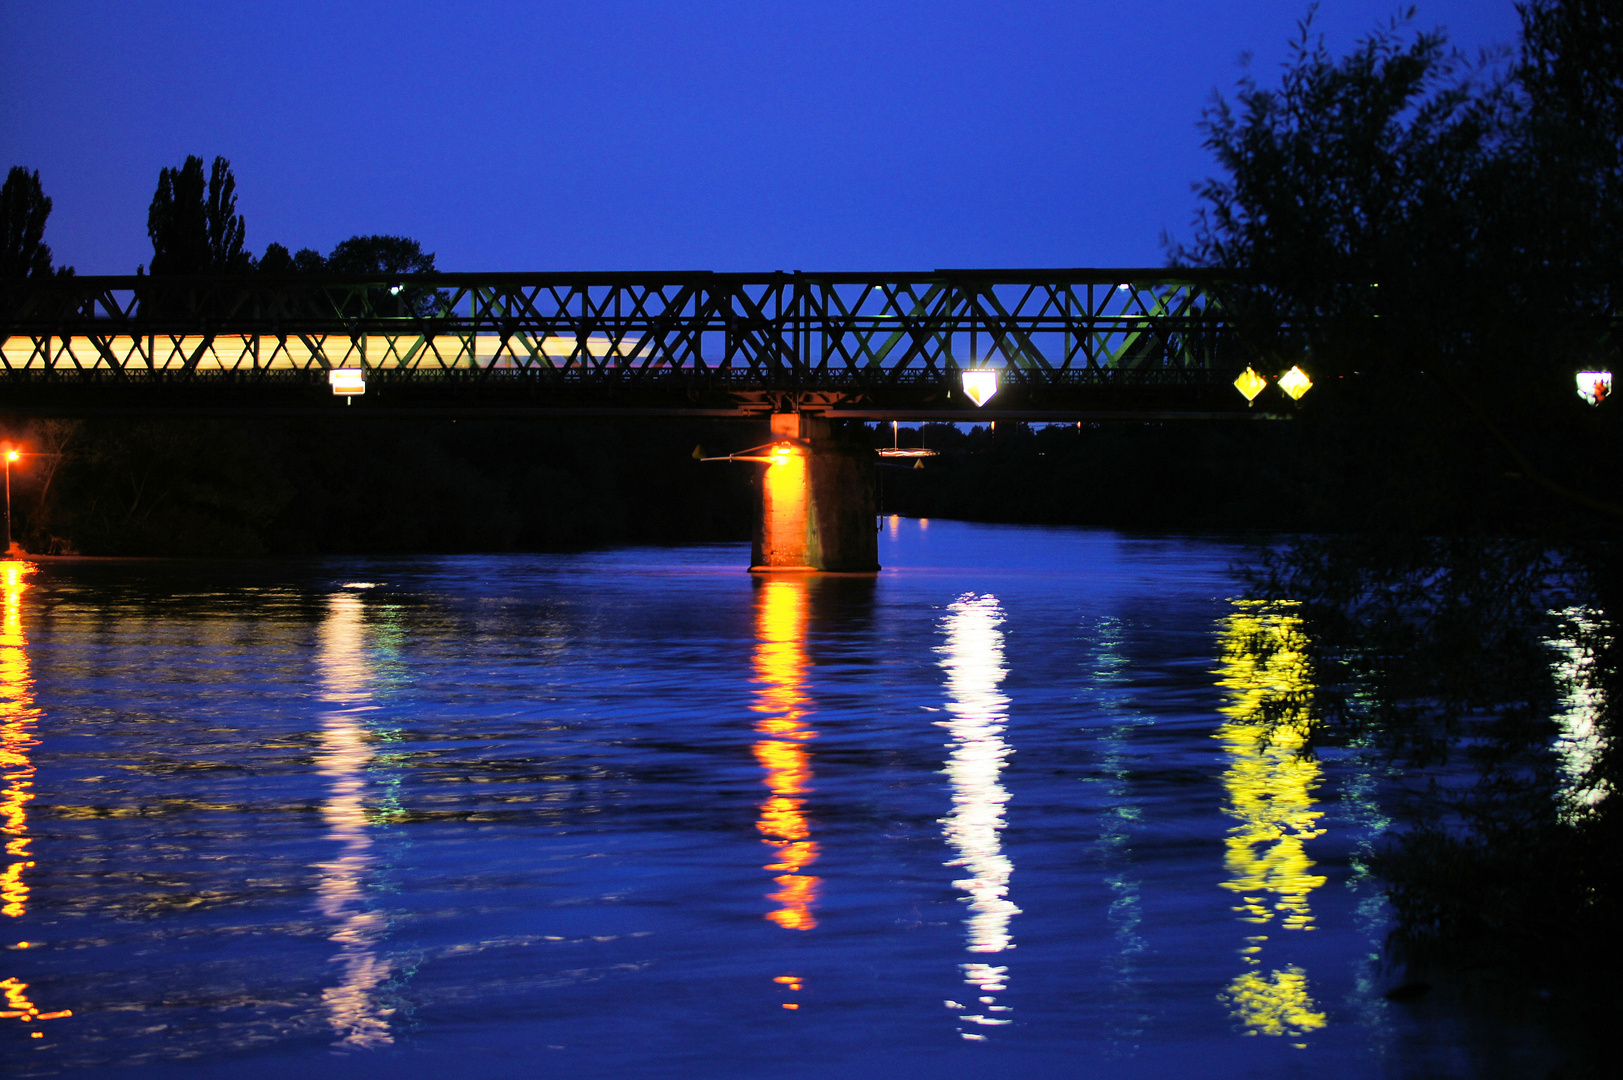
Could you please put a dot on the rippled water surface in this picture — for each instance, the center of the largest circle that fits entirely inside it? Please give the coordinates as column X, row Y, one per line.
column 1005, row 810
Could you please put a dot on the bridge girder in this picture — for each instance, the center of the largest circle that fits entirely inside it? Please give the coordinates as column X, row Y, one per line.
column 1068, row 343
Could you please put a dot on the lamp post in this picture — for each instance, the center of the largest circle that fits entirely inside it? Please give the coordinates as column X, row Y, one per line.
column 10, row 455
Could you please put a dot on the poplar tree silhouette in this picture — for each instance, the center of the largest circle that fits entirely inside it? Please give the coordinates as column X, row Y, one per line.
column 23, row 210
column 194, row 226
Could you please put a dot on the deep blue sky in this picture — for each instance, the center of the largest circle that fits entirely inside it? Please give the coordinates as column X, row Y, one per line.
column 598, row 134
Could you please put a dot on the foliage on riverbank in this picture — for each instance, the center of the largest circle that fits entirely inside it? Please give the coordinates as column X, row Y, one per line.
column 1440, row 239
column 1487, row 671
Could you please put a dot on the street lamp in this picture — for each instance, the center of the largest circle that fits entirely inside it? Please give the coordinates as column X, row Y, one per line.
column 11, row 455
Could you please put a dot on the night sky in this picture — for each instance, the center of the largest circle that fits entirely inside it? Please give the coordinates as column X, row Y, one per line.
column 641, row 135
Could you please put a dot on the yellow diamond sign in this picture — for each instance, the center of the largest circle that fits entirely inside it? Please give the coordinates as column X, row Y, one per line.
column 1250, row 383
column 1295, row 383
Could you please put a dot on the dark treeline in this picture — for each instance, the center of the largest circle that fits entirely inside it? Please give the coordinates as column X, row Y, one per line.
column 369, row 485
column 1303, row 475
column 1444, row 234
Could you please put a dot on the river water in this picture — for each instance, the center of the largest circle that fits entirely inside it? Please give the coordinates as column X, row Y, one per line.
column 1008, row 809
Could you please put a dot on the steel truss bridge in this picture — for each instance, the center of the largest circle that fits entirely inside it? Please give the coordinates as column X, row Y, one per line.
column 1068, row 344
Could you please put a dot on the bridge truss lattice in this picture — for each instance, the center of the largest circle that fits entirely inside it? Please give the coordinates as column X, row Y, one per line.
column 855, row 344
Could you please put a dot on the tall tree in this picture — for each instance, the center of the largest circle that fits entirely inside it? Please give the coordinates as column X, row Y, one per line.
column 1400, row 207
column 23, row 210
column 194, row 225
column 1571, row 73
column 1354, row 170
column 363, row 255
column 225, row 228
column 387, row 257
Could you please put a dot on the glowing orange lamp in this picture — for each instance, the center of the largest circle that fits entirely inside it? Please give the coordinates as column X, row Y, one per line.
column 12, row 454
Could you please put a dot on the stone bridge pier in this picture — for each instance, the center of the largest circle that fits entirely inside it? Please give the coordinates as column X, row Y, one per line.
column 816, row 501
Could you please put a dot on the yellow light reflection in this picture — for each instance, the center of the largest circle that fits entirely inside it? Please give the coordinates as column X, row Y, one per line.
column 18, row 720
column 780, row 672
column 973, row 659
column 1275, row 1005
column 1270, row 784
column 353, row 1009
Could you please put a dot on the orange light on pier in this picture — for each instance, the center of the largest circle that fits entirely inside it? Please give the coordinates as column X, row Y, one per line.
column 784, row 491
column 780, row 671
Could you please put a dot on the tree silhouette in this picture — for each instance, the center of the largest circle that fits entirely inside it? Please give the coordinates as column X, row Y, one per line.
column 1432, row 230
column 194, row 226
column 387, row 257
column 23, row 210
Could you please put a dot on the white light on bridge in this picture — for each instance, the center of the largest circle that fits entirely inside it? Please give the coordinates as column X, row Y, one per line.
column 1295, row 383
column 346, row 382
column 980, row 384
column 1594, row 386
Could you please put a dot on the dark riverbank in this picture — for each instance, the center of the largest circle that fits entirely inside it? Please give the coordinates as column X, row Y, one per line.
column 368, row 486
column 382, row 485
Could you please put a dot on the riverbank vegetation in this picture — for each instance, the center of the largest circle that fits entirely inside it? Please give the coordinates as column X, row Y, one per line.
column 1444, row 234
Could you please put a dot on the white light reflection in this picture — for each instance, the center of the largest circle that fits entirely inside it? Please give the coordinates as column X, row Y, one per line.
column 352, row 1006
column 973, row 659
column 1580, row 741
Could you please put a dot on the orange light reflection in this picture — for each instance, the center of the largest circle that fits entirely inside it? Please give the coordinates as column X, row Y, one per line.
column 780, row 666
column 18, row 718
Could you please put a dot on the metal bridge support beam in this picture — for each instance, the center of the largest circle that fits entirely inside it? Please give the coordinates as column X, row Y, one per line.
column 816, row 502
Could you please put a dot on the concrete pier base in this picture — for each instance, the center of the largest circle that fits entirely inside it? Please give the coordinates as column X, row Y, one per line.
column 816, row 501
